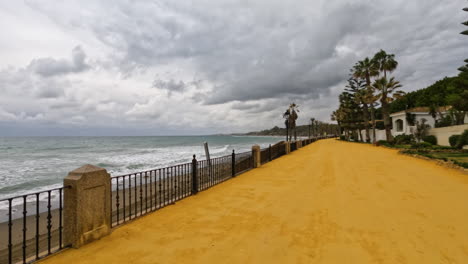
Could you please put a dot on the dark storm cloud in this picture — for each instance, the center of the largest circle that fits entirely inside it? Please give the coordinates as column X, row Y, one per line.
column 47, row 67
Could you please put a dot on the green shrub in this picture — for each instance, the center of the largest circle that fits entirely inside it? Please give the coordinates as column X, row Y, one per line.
column 463, row 140
column 430, row 139
column 404, row 139
column 379, row 125
column 343, row 137
column 384, row 143
column 453, row 139
column 421, row 145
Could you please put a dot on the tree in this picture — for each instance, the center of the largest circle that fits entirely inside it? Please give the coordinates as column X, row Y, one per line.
column 358, row 88
column 385, row 62
column 465, row 67
column 291, row 116
column 366, row 69
column 421, row 129
column 387, row 90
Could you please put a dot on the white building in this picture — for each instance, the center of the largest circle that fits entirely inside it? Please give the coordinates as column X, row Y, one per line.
column 400, row 122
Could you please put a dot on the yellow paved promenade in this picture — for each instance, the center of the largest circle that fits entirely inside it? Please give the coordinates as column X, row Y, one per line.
column 329, row 202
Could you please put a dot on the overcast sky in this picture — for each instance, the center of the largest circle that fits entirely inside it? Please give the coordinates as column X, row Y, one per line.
column 174, row 67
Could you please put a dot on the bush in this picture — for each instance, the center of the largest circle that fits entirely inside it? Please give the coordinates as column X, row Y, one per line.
column 379, row 125
column 343, row 137
column 383, row 143
column 453, row 139
column 462, row 140
column 421, row 145
column 404, row 139
column 430, row 139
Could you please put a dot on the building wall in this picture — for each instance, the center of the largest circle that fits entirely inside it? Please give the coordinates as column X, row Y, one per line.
column 443, row 133
column 379, row 134
column 410, row 129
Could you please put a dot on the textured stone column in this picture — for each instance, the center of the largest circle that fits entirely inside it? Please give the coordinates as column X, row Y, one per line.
column 288, row 147
column 87, row 207
column 256, row 156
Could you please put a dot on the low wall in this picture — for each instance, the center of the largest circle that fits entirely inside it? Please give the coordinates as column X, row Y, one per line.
column 443, row 133
column 379, row 134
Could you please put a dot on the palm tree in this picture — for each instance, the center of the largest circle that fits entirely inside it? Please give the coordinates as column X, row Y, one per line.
column 368, row 97
column 387, row 90
column 357, row 87
column 385, row 62
column 465, row 67
column 365, row 69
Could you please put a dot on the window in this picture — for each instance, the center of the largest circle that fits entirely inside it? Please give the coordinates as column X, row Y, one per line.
column 399, row 125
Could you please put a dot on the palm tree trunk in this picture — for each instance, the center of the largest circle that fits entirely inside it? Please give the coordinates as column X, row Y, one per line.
column 365, row 110
column 373, row 123
column 387, row 123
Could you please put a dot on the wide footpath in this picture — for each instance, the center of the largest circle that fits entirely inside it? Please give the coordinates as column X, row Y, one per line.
column 329, row 202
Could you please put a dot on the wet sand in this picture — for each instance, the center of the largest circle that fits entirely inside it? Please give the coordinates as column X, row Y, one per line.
column 329, row 202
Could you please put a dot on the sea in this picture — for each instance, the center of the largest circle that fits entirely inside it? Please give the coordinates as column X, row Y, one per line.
column 33, row 164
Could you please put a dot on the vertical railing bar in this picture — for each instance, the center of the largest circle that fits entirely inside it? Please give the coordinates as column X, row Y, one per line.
column 179, row 191
column 10, row 224
column 60, row 218
column 37, row 226
column 124, row 198
column 49, row 222
column 25, row 212
column 117, row 202
column 129, row 197
column 156, row 196
column 174, row 184
column 177, row 183
column 166, row 187
column 146, row 191
column 160, row 188
column 151, row 190
column 136, row 196
column 141, row 194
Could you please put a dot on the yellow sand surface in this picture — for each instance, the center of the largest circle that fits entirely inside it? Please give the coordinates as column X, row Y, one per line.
column 329, row 202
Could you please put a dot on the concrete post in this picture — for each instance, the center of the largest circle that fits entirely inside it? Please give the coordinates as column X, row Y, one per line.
column 256, row 156
column 87, row 206
column 288, row 147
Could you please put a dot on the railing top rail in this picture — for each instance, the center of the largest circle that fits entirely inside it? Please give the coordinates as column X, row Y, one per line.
column 246, row 152
column 146, row 171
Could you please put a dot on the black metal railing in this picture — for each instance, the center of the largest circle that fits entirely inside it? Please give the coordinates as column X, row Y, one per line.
column 293, row 146
column 265, row 155
column 243, row 161
column 137, row 194
column 213, row 171
column 33, row 224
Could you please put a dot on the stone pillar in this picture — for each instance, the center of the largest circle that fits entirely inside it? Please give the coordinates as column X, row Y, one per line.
column 256, row 156
column 288, row 147
column 87, row 205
